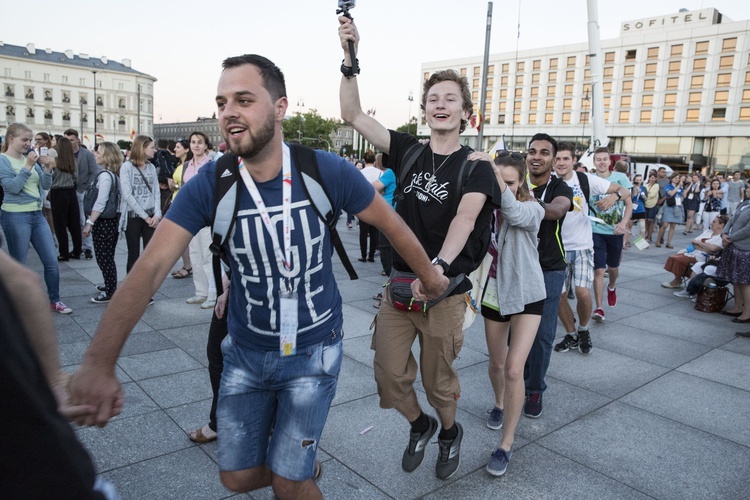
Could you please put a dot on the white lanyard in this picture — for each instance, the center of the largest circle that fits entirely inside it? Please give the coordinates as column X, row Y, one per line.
column 532, row 187
column 286, row 256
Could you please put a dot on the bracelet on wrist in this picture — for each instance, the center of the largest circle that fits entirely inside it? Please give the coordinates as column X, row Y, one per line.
column 347, row 71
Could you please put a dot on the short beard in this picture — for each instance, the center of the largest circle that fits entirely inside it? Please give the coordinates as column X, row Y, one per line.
column 259, row 141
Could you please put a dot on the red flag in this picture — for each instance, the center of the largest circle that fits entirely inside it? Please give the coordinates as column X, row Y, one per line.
column 132, row 134
column 479, row 121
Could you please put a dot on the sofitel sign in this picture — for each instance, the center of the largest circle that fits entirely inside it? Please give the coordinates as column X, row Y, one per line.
column 704, row 17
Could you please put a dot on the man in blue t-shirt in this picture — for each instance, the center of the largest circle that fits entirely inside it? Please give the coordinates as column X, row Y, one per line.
column 283, row 352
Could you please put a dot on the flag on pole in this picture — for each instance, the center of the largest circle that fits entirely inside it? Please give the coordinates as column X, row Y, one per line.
column 498, row 146
column 132, row 134
column 479, row 121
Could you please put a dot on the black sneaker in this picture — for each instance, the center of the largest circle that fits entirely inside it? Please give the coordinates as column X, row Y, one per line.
column 584, row 342
column 532, row 408
column 450, row 455
column 568, row 342
column 102, row 298
column 150, row 302
column 88, row 254
column 414, row 452
column 101, row 288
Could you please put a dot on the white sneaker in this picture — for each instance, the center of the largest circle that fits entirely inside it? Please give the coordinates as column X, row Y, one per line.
column 208, row 304
column 196, row 299
column 682, row 293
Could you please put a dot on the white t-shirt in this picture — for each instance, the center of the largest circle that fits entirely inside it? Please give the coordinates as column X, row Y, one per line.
column 371, row 173
column 576, row 229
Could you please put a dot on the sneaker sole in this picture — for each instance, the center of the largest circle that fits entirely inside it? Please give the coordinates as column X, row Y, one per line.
column 529, row 415
column 495, row 473
column 494, row 428
column 452, row 473
column 587, row 352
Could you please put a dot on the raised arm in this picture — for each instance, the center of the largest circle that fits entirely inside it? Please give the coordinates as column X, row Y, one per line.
column 351, row 108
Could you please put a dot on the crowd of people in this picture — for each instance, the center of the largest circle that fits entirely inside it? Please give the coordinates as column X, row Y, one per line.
column 540, row 228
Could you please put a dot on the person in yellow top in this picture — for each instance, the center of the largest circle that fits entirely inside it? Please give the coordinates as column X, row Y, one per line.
column 183, row 154
column 652, row 198
column 25, row 182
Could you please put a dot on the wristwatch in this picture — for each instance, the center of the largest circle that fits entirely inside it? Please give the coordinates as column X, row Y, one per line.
column 619, row 196
column 437, row 261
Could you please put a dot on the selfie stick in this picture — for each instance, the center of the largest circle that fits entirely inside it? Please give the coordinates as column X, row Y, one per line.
column 343, row 9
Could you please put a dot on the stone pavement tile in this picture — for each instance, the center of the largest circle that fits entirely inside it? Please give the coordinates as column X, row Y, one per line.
column 739, row 345
column 354, row 290
column 72, row 352
column 697, row 402
column 137, row 402
column 655, row 455
column 359, row 349
column 651, row 347
column 139, row 343
column 680, row 326
column 376, row 455
column 154, row 364
column 366, row 307
column 355, row 381
column 183, row 474
column 190, row 416
column 634, row 294
column 721, row 366
column 191, row 339
column 119, row 373
column 178, row 388
column 602, row 371
column 357, row 321
column 534, row 473
column 130, row 440
column 169, row 313
column 68, row 330
column 90, row 324
column 563, row 402
column 612, row 314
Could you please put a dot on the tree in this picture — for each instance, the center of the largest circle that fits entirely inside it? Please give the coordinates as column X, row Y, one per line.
column 126, row 145
column 310, row 129
column 410, row 127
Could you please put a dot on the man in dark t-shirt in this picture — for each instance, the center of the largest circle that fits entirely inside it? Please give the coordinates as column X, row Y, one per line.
column 453, row 227
column 558, row 199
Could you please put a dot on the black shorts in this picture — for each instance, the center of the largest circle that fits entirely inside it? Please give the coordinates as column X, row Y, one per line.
column 535, row 308
column 638, row 216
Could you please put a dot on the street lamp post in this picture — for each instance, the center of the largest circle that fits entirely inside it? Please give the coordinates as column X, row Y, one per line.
column 583, row 123
column 94, row 72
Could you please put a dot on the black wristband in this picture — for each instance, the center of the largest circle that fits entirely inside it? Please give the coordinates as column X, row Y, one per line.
column 347, row 70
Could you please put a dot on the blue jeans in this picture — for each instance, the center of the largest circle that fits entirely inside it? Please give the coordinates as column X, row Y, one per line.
column 263, row 392
column 24, row 228
column 541, row 351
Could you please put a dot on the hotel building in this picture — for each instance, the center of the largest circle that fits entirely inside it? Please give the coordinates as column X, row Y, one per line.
column 676, row 91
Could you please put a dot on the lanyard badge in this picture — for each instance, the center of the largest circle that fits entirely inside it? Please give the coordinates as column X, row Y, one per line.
column 288, row 299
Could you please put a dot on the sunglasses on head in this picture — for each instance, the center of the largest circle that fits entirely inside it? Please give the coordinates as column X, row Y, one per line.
column 504, row 153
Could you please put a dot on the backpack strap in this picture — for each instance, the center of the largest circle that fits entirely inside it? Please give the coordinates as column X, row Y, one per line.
column 411, row 156
column 583, row 180
column 226, row 204
column 305, row 160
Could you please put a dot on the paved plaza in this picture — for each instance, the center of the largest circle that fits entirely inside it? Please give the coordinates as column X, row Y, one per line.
column 659, row 409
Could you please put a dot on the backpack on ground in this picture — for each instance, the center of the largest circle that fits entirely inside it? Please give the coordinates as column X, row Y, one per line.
column 226, row 204
column 92, row 193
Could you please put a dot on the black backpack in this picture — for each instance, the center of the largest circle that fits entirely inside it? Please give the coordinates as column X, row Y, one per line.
column 226, row 204
column 92, row 193
column 165, row 163
column 583, row 180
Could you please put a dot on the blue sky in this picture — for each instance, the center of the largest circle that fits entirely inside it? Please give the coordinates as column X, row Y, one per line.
column 183, row 46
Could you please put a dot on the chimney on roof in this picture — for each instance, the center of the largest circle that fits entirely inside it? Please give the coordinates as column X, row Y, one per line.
column 104, row 59
column 126, row 63
column 30, row 48
column 48, row 51
column 83, row 56
column 69, row 54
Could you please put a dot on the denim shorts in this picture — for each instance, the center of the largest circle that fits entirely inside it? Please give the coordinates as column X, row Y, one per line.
column 272, row 409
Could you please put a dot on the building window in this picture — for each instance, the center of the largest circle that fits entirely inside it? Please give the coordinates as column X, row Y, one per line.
column 646, row 116
column 606, row 117
column 607, row 101
column 533, row 104
column 27, row 75
column 506, row 67
column 550, row 90
column 476, row 70
column 629, row 70
column 675, row 51
column 625, row 101
column 747, row 78
column 723, row 79
column 426, row 76
column 608, row 72
column 693, row 115
column 572, row 62
column 535, row 78
column 463, row 73
column 501, row 119
column 695, row 97
column 696, row 82
column 673, row 83
column 568, row 90
column 623, row 117
column 584, row 117
column 570, row 75
column 501, row 107
column 726, row 62
column 503, row 94
column 550, row 104
column 488, row 95
column 65, row 79
column 519, row 79
column 607, row 87
column 744, row 113
column 729, row 45
column 670, row 99
column 534, row 91
column 46, row 77
column 568, row 103
column 475, row 83
column 647, row 101
column 491, row 69
column 746, row 96
column 721, row 97
column 653, row 53
column 609, row 57
column 536, row 65
column 668, row 116
column 552, row 77
column 587, row 74
column 566, row 117
column 516, row 118
column 504, row 81
column 532, row 118
column 475, row 95
column 519, row 66
column 649, row 84
column 548, row 117
column 627, row 86
column 699, row 65
column 701, row 47
column 651, row 69
column 553, row 63
column 630, row 55
column 490, row 81
column 674, row 67
column 718, row 114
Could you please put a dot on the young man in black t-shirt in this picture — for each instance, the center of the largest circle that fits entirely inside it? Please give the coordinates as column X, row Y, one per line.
column 558, row 199
column 453, row 227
